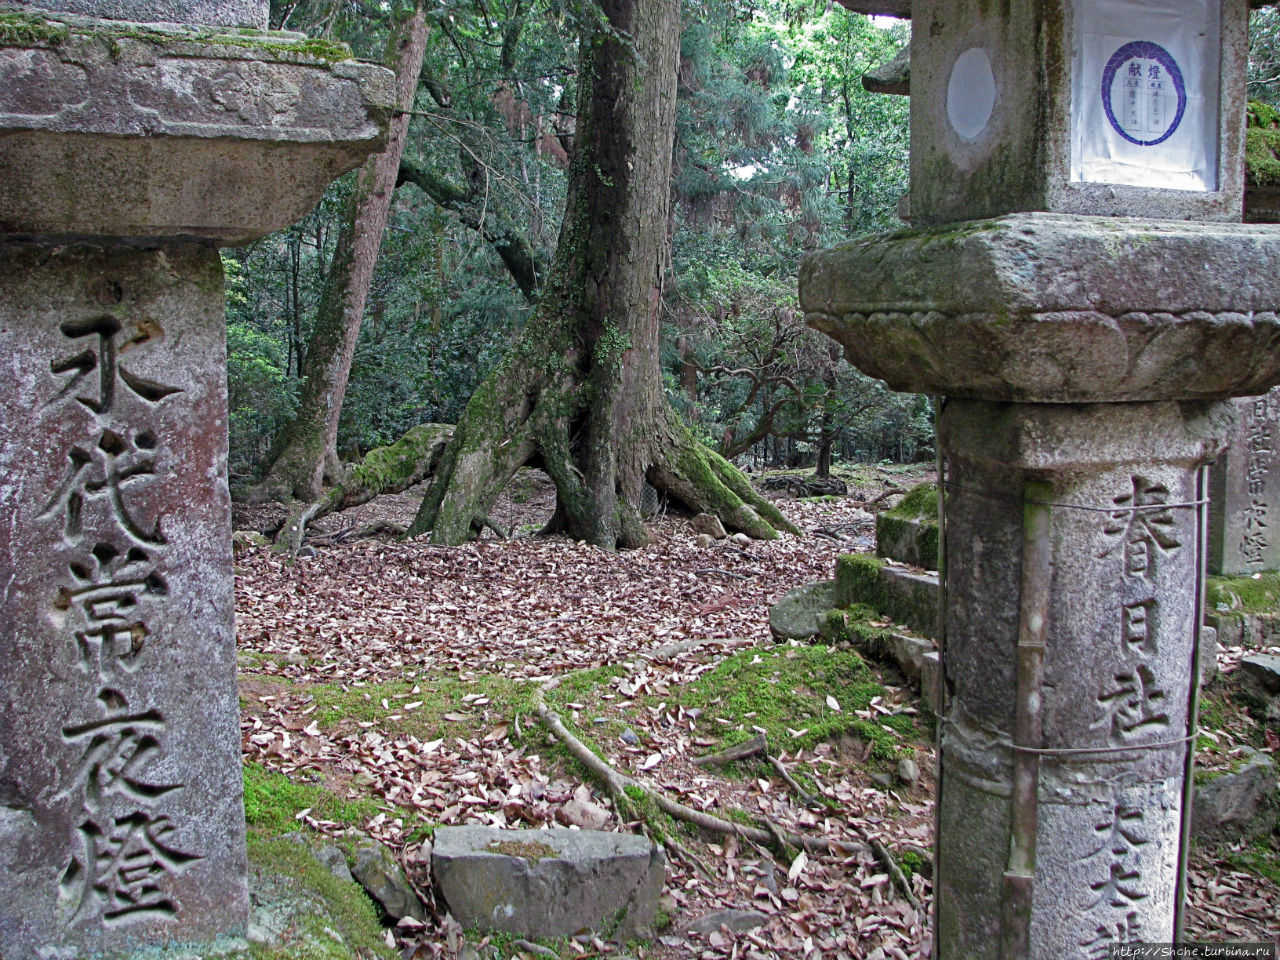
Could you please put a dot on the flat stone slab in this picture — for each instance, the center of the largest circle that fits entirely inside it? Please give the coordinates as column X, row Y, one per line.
column 549, row 883
column 147, row 130
column 1056, row 308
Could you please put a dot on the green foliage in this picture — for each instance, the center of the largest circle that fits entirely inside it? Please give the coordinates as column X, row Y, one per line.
column 272, row 802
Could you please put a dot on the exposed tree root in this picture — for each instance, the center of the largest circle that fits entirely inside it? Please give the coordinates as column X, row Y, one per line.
column 617, row 783
column 390, row 469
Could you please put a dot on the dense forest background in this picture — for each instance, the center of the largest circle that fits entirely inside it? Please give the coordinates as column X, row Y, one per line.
column 778, row 151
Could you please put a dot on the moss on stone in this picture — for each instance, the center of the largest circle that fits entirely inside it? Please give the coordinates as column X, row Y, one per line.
column 23, row 29
column 1262, row 145
column 26, row 30
column 921, row 502
column 530, row 850
column 909, row 532
column 272, row 802
column 1242, row 596
column 858, row 580
column 305, row 911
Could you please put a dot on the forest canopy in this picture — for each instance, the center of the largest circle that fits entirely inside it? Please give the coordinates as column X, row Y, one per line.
column 778, row 151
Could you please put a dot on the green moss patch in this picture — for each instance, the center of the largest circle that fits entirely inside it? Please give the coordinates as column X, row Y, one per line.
column 1245, row 595
column 308, row 912
column 426, row 709
column 785, row 689
column 272, row 803
column 23, row 29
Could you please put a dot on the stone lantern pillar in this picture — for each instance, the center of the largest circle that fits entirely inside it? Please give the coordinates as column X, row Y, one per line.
column 130, row 150
column 1083, row 336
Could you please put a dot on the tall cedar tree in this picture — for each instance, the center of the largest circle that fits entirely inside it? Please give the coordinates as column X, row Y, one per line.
column 580, row 391
column 308, row 442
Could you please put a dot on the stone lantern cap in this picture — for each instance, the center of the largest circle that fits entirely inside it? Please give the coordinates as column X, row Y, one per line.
column 1053, row 308
column 117, row 129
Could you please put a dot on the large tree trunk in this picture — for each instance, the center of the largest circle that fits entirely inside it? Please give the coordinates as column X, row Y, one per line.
column 580, row 391
column 295, row 465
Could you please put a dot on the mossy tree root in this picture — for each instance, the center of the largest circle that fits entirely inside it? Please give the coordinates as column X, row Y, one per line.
column 391, row 469
column 617, row 783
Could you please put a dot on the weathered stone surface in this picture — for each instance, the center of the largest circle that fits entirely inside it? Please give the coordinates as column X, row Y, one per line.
column 931, row 679
column 376, row 870
column 908, row 771
column 1265, row 667
column 907, row 597
column 1241, row 805
column 126, row 130
column 1022, row 159
column 335, row 861
column 1244, row 492
column 605, row 882
column 1054, row 309
column 908, row 533
column 1069, row 626
column 708, row 524
column 796, row 615
column 1208, row 653
column 891, row 77
column 225, row 13
column 121, row 818
column 737, row 921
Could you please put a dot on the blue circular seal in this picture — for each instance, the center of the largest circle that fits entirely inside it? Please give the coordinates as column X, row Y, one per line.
column 1145, row 72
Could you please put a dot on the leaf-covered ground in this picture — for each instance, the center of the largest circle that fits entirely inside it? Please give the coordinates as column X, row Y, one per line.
column 388, row 687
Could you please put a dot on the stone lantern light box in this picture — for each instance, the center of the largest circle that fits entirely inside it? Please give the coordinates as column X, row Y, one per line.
column 1103, row 107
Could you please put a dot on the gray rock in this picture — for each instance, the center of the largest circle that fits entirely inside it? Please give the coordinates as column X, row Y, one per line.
column 883, row 780
column 335, row 861
column 1264, row 667
column 549, row 883
column 1239, row 805
column 376, row 870
column 908, row 771
column 709, row 525
column 738, row 921
column 796, row 614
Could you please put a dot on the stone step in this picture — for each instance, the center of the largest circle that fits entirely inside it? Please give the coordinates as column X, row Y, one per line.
column 909, row 597
column 908, row 533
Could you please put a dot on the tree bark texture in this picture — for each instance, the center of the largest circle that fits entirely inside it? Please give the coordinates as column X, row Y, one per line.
column 579, row 393
column 297, row 459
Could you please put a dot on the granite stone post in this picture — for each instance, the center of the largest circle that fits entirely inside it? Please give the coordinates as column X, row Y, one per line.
column 129, row 152
column 1244, row 492
column 1084, row 340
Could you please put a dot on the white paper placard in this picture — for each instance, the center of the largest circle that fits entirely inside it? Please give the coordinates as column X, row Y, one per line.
column 1145, row 98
